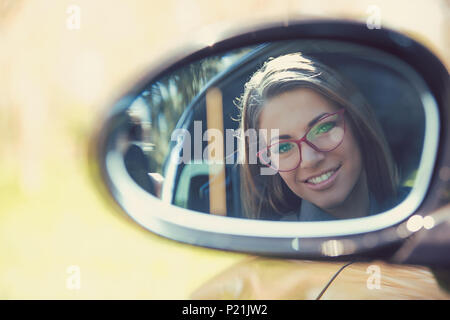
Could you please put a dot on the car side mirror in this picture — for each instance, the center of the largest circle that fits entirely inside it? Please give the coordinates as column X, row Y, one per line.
column 317, row 139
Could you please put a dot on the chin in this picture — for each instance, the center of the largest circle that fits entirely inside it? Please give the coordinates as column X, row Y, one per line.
column 326, row 205
column 327, row 201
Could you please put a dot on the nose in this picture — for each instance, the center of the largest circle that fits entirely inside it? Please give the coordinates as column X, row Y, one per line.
column 310, row 157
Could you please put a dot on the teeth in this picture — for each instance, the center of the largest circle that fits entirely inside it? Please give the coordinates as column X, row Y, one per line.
column 321, row 178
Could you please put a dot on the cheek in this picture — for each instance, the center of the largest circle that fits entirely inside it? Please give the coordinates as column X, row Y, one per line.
column 289, row 179
column 293, row 184
column 352, row 159
column 352, row 150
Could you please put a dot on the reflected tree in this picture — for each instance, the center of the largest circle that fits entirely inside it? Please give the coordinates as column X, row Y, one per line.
column 167, row 99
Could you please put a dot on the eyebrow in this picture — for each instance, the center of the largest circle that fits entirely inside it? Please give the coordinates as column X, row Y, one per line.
column 310, row 124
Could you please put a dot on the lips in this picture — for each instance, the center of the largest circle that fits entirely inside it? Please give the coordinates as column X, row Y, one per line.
column 325, row 172
column 323, row 179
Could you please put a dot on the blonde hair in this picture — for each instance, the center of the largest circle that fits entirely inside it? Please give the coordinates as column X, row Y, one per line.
column 265, row 195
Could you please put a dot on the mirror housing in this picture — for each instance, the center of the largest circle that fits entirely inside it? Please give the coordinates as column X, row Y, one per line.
column 275, row 238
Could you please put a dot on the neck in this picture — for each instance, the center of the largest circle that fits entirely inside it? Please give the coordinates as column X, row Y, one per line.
column 357, row 203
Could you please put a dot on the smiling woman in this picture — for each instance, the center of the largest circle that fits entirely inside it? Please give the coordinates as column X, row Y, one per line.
column 340, row 168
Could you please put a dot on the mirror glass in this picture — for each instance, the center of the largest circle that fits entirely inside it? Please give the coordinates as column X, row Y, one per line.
column 306, row 130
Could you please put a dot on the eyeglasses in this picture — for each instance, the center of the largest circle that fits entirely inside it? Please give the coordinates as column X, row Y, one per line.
column 324, row 136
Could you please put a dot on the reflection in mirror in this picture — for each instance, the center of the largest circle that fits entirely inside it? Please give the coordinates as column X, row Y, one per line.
column 307, row 130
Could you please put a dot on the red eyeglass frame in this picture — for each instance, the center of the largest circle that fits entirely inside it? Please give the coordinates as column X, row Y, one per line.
column 303, row 139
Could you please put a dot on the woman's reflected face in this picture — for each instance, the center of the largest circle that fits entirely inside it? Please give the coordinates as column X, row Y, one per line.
column 326, row 179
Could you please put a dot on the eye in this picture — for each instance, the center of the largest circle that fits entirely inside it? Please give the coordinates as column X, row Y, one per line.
column 323, row 128
column 282, row 148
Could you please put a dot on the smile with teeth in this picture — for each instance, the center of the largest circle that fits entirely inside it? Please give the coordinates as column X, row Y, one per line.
column 323, row 177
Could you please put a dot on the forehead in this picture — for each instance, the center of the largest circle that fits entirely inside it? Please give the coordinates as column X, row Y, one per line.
column 290, row 112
